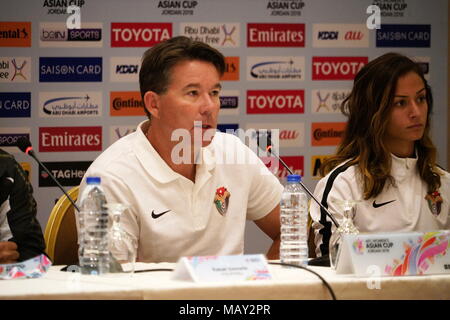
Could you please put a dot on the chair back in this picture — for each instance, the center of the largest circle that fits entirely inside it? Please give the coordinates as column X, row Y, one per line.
column 61, row 233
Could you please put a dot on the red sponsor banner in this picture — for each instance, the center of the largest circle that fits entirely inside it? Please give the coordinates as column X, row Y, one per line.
column 15, row 34
column 295, row 163
column 275, row 34
column 231, row 69
column 327, row 133
column 141, row 34
column 275, row 101
column 337, row 68
column 57, row 139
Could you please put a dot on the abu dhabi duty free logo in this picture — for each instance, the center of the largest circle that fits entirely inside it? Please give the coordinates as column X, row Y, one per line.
column 70, row 69
column 15, row 69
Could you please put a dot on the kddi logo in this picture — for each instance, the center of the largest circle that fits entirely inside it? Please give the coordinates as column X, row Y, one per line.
column 127, row 69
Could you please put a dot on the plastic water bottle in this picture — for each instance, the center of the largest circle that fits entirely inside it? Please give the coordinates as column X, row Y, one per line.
column 93, row 252
column 294, row 223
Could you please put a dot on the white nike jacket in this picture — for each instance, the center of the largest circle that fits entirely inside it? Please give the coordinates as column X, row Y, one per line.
column 402, row 208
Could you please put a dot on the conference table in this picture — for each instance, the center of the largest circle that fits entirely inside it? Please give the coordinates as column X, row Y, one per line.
column 286, row 284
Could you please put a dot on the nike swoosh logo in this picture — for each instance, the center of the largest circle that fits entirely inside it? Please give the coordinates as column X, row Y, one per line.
column 377, row 205
column 157, row 215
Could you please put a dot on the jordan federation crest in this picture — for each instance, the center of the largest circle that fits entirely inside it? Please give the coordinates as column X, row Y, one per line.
column 434, row 200
column 221, row 200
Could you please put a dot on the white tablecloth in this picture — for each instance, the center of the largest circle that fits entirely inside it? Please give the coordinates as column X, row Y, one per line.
column 285, row 284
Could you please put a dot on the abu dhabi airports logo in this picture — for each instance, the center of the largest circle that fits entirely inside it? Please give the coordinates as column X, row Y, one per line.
column 15, row 69
column 70, row 104
column 221, row 34
column 276, row 68
column 58, row 35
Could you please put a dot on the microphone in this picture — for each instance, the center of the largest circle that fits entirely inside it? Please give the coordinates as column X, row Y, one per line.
column 268, row 148
column 25, row 146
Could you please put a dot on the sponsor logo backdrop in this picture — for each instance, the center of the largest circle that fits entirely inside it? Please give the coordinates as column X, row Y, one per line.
column 290, row 63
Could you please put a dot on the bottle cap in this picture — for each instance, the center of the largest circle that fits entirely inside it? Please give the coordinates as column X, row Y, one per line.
column 93, row 180
column 294, row 178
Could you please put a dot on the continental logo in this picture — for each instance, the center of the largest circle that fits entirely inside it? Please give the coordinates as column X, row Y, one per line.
column 327, row 133
column 231, row 69
column 276, row 35
column 316, row 163
column 61, row 139
column 126, row 103
column 15, row 34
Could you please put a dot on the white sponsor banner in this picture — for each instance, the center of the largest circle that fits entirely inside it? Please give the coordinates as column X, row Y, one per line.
column 340, row 36
column 70, row 104
column 231, row 99
column 327, row 100
column 125, row 69
column 15, row 69
column 117, row 132
column 292, row 134
column 56, row 35
column 276, row 68
column 218, row 34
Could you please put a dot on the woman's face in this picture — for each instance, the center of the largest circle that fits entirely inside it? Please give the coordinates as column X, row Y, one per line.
column 408, row 115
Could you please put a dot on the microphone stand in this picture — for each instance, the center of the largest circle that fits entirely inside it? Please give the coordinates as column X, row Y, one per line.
column 31, row 153
column 269, row 149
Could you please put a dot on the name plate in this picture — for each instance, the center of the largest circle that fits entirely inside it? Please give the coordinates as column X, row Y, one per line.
column 395, row 254
column 222, row 268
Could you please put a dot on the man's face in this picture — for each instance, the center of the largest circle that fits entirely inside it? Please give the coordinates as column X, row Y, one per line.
column 191, row 96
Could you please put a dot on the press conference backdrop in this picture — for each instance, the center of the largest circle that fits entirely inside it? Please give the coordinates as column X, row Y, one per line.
column 289, row 65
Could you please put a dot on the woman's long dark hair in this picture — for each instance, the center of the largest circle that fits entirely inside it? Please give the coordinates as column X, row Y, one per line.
column 368, row 108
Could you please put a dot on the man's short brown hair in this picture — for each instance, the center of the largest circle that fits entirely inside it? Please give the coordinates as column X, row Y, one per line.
column 158, row 61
